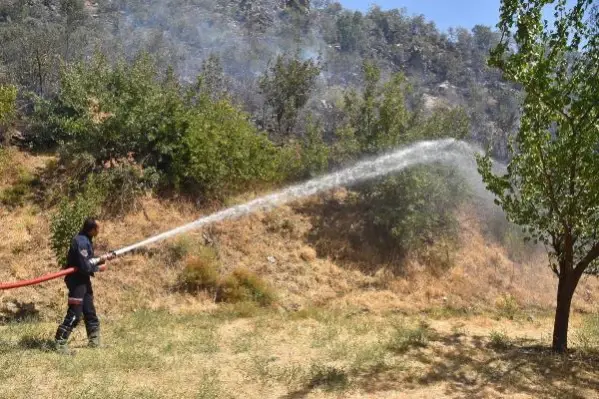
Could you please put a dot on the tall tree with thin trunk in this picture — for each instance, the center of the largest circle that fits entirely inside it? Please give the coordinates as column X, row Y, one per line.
column 552, row 182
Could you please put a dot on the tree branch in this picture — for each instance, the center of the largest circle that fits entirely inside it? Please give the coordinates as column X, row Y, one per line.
column 586, row 261
column 551, row 193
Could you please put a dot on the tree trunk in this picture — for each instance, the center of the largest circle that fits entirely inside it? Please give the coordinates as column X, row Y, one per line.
column 565, row 291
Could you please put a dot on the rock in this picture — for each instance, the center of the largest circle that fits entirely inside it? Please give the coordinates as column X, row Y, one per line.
column 271, row 259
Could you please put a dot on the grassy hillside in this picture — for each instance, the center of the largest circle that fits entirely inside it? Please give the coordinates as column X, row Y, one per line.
column 294, row 249
column 340, row 326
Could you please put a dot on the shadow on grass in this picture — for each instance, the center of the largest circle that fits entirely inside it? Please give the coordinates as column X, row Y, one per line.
column 471, row 370
column 36, row 343
column 339, row 232
column 20, row 312
column 27, row 344
column 471, row 367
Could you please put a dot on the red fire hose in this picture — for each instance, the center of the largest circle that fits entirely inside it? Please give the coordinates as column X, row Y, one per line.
column 47, row 277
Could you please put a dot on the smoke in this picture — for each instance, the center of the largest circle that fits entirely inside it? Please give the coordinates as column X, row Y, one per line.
column 246, row 35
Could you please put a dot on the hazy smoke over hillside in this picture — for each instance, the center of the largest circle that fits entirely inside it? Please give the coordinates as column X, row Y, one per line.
column 245, row 35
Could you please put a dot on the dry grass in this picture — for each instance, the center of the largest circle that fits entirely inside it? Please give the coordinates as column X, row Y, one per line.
column 317, row 354
column 274, row 246
column 338, row 330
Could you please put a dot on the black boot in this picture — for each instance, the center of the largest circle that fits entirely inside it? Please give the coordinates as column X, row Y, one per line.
column 61, row 340
column 94, row 338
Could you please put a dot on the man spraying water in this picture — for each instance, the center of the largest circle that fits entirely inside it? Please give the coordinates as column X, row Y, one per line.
column 424, row 152
column 81, row 294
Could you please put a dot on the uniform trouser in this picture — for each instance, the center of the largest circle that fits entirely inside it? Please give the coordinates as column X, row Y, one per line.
column 81, row 305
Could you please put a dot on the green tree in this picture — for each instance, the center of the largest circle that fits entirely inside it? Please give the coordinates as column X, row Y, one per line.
column 116, row 112
column 377, row 118
column 407, row 213
column 8, row 97
column 73, row 18
column 350, row 31
column 314, row 152
column 223, row 152
column 287, row 86
column 552, row 182
column 69, row 218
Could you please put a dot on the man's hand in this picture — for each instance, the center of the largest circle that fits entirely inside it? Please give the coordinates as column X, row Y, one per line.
column 107, row 256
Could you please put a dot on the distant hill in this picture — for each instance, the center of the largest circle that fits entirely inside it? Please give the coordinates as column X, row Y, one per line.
column 39, row 35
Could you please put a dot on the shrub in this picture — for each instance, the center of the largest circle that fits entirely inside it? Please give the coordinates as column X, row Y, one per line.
column 200, row 272
column 123, row 185
column 223, row 153
column 17, row 194
column 499, row 340
column 113, row 110
column 315, row 152
column 404, row 338
column 244, row 286
column 178, row 249
column 144, row 127
column 66, row 222
column 507, row 306
column 8, row 97
column 286, row 86
column 412, row 212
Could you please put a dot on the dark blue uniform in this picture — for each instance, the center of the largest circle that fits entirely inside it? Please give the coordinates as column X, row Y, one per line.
column 81, row 294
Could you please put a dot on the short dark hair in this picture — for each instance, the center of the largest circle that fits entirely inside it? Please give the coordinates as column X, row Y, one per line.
column 89, row 225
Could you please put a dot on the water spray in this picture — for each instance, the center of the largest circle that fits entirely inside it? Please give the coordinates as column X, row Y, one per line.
column 424, row 152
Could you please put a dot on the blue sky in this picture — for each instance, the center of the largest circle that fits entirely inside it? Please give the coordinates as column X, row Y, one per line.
column 445, row 13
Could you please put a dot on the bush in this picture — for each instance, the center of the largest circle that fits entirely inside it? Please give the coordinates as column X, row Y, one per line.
column 66, row 222
column 178, row 249
column 144, row 127
column 413, row 211
column 223, row 153
column 200, row 272
column 313, row 157
column 286, row 86
column 507, row 306
column 18, row 192
column 404, row 338
column 112, row 111
column 8, row 97
column 499, row 340
column 244, row 286
column 123, row 185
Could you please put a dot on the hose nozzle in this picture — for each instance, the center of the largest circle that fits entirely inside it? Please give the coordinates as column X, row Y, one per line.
column 103, row 258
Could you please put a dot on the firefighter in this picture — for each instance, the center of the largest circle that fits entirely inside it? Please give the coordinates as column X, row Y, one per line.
column 81, row 294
